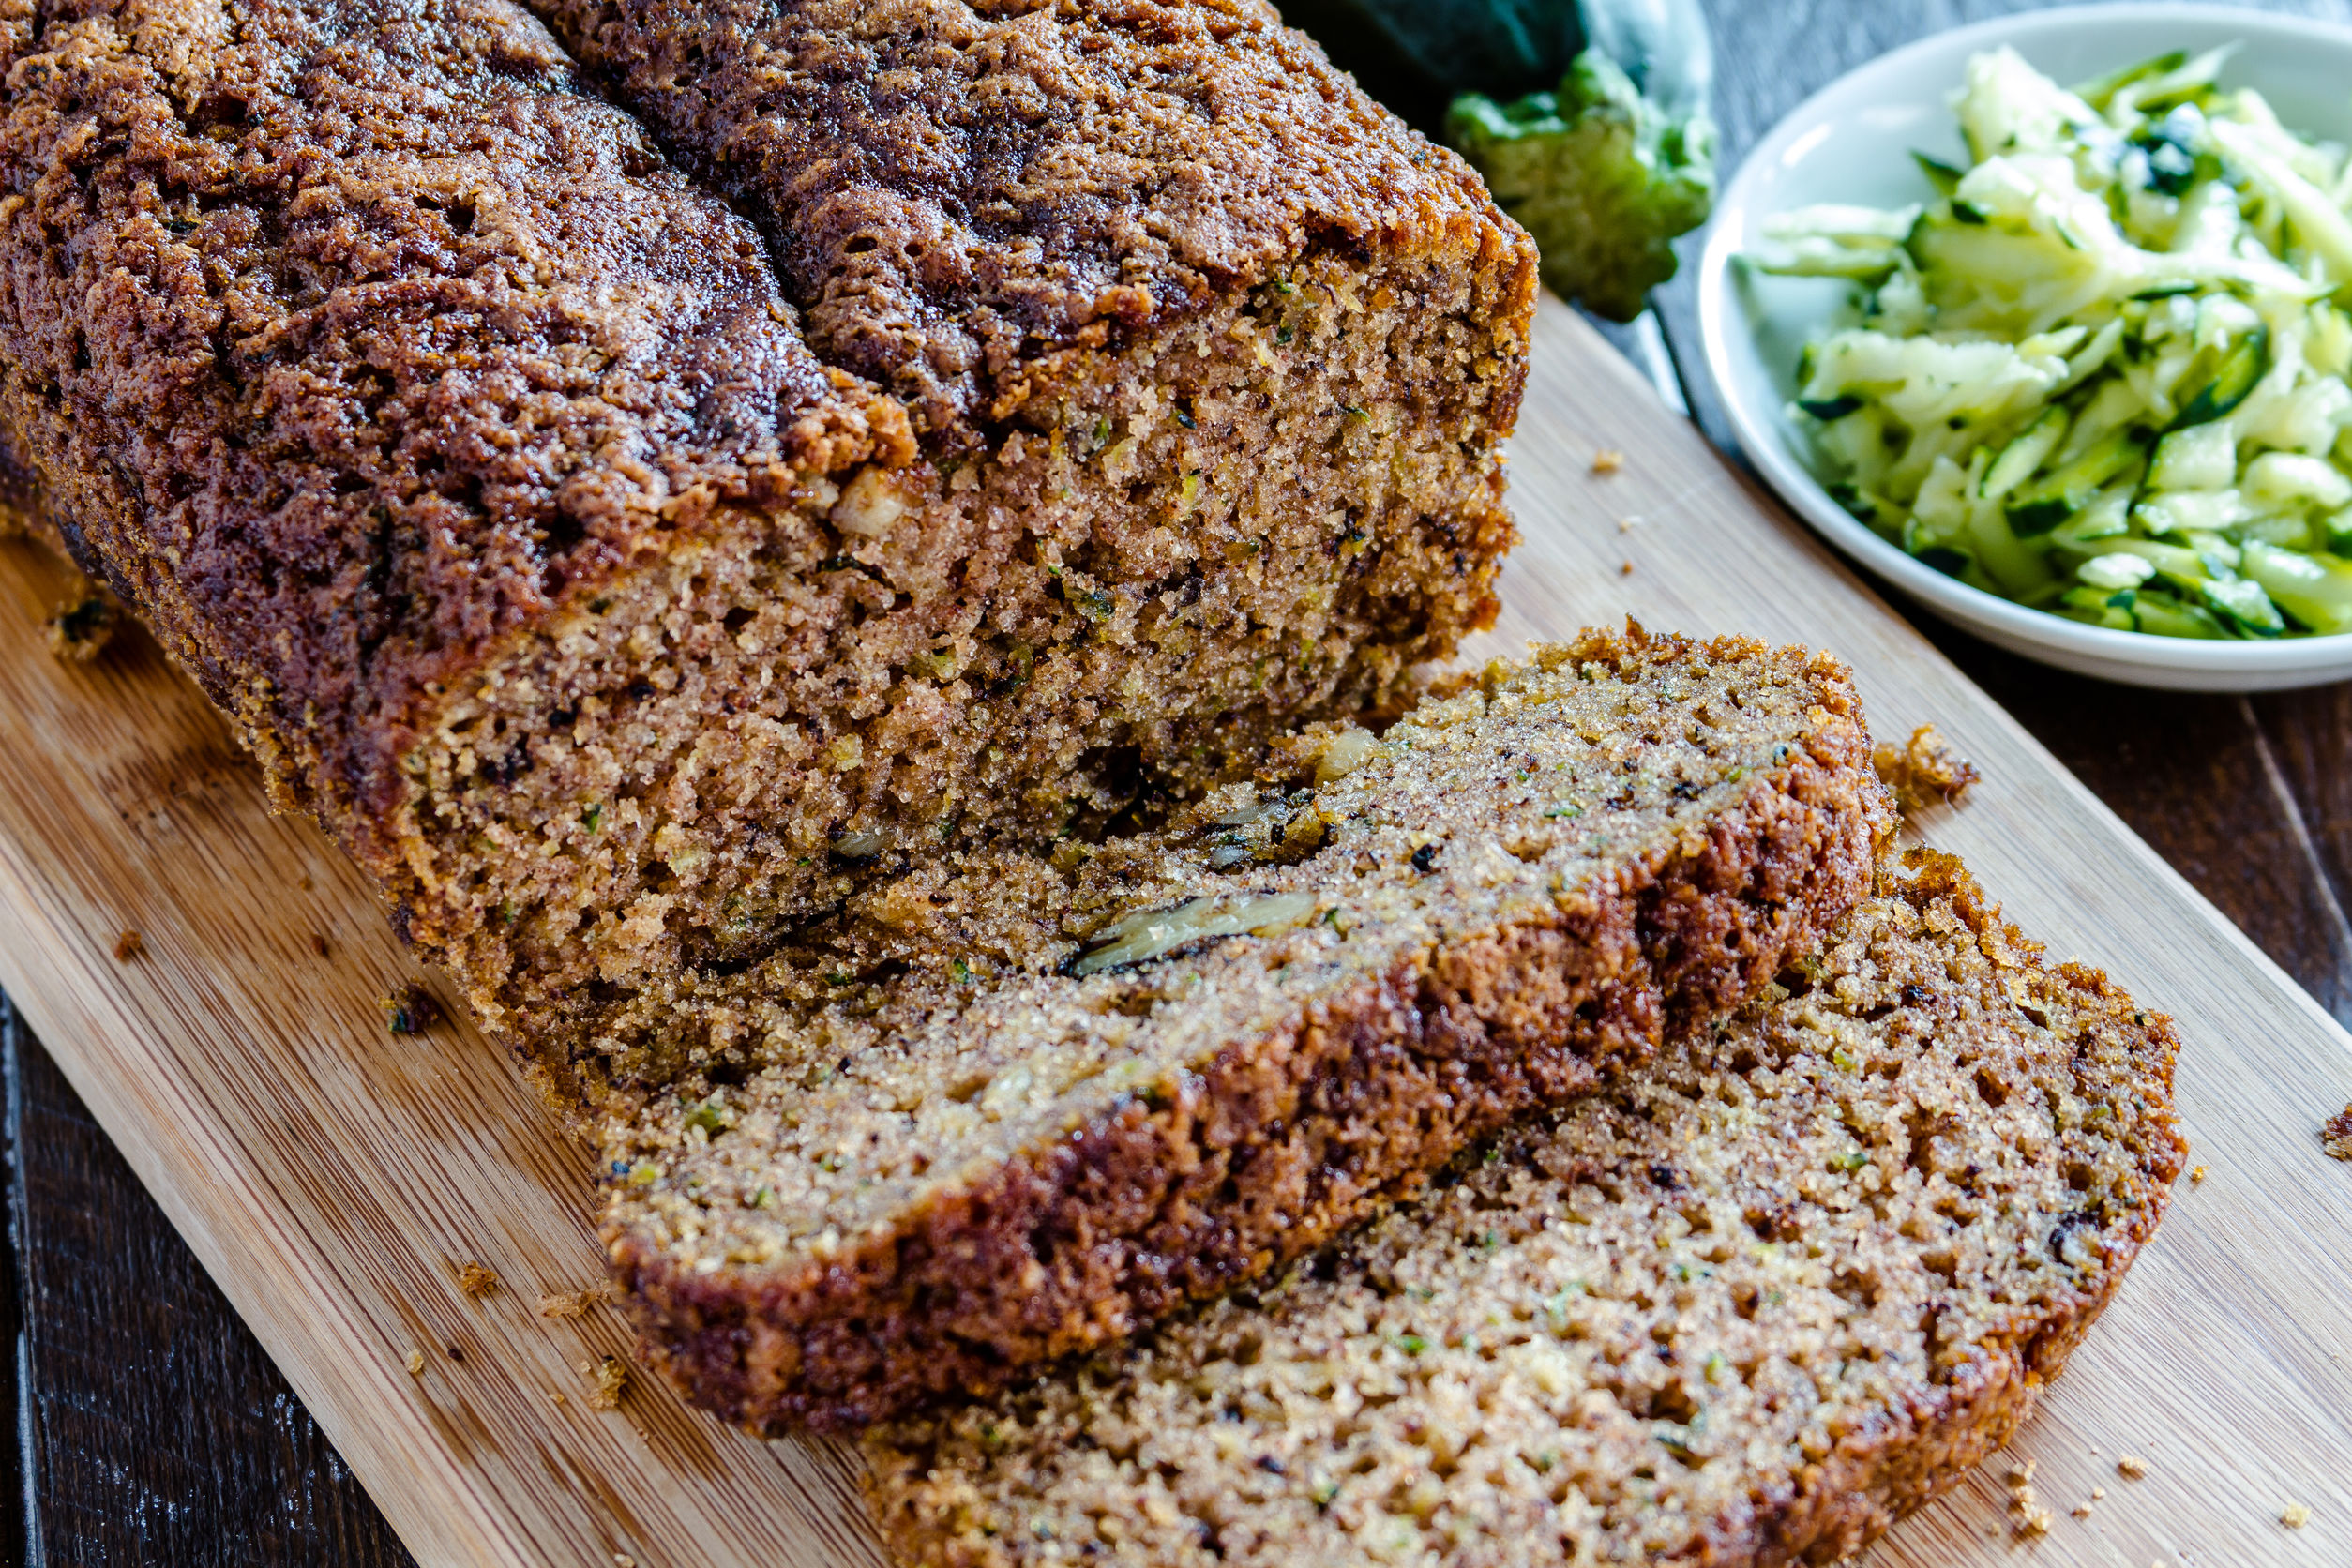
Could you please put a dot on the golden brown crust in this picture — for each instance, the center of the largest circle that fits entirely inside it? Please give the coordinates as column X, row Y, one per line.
column 964, row 197
column 325, row 326
column 1747, row 1307
column 1285, row 1137
column 496, row 481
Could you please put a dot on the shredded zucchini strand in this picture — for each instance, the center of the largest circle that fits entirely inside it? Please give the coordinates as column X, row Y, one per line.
column 2102, row 368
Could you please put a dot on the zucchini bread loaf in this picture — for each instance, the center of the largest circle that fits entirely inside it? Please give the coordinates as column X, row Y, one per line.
column 1747, row 1306
column 1005, row 1108
column 621, row 586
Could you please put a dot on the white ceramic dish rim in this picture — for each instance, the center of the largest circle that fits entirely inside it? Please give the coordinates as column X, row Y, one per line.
column 1766, row 441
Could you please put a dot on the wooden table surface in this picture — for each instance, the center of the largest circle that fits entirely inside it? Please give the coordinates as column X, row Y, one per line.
column 150, row 1429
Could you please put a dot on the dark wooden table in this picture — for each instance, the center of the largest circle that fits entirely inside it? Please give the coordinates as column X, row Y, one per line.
column 150, row 1429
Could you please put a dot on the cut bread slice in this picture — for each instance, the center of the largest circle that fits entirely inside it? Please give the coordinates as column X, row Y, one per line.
column 1749, row 1304
column 998, row 1111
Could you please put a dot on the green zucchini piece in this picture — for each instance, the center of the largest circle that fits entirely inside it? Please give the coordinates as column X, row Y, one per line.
column 2024, row 454
column 2239, row 368
column 2099, row 607
column 2166, row 616
column 2100, row 91
column 2317, row 590
column 2061, row 495
column 2242, row 606
column 1827, row 409
column 2198, row 458
column 1942, row 175
column 2016, row 567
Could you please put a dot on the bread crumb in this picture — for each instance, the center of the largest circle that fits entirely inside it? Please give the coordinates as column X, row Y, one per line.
column 128, row 945
column 2335, row 1134
column 2295, row 1516
column 2027, row 1516
column 2097, row 1494
column 622, row 1559
column 558, row 1397
column 2133, row 1466
column 1608, row 460
column 409, row 1009
column 2196, row 1174
column 476, row 1279
column 611, row 1380
column 318, row 944
column 2080, row 1511
column 572, row 1303
column 1625, row 570
column 416, row 1363
column 1925, row 771
column 84, row 625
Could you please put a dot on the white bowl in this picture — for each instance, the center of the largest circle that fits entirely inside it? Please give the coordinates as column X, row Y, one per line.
column 1853, row 142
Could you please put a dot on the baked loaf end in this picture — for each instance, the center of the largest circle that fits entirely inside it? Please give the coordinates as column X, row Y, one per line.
column 618, row 616
column 1001, row 1111
column 1747, row 1306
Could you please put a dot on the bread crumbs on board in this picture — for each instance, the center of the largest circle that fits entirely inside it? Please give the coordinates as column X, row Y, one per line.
column 84, row 625
column 476, row 1279
column 128, row 945
column 1924, row 771
column 410, row 1009
column 573, row 1303
column 2295, row 1516
column 416, row 1363
column 2131, row 1465
column 2335, row 1134
column 1608, row 460
column 2027, row 1516
column 611, row 1380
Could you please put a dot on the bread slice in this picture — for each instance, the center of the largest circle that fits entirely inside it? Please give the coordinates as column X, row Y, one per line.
column 604, row 574
column 1749, row 1305
column 998, row 1113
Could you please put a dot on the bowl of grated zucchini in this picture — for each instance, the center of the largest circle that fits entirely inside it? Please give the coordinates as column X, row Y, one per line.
column 2047, row 322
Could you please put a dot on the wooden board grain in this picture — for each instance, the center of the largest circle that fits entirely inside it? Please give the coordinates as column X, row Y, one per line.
column 333, row 1178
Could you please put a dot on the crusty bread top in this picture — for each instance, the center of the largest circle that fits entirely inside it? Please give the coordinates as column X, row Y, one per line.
column 359, row 337
column 1746, row 1307
column 357, row 334
column 960, row 194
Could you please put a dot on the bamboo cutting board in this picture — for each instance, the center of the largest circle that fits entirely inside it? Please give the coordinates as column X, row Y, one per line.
column 333, row 1179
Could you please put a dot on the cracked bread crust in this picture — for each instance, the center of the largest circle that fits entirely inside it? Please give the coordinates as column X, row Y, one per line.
column 1747, row 1306
column 489, row 472
column 967, row 197
column 349, row 342
column 777, row 1299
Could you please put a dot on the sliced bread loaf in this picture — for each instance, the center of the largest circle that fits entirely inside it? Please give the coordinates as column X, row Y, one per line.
column 1748, row 1305
column 614, row 593
column 999, row 1111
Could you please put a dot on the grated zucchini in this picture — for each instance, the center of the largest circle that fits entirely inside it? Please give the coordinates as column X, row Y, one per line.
column 2101, row 367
